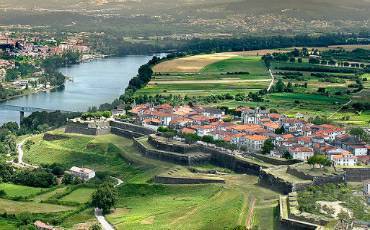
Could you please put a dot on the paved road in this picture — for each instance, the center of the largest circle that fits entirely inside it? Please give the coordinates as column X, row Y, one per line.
column 104, row 223
column 272, row 81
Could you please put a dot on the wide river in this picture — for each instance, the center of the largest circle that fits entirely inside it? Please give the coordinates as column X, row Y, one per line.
column 93, row 83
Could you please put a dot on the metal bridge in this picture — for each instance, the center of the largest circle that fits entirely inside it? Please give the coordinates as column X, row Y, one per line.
column 28, row 109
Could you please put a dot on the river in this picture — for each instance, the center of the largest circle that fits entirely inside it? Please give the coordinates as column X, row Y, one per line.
column 93, row 83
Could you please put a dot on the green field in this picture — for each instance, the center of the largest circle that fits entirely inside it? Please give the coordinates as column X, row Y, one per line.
column 246, row 74
column 80, row 195
column 10, row 206
column 13, row 190
column 193, row 206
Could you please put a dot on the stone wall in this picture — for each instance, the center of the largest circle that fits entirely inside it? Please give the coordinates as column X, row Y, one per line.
column 316, row 180
column 357, row 174
column 291, row 224
column 85, row 129
column 273, row 160
column 173, row 146
column 177, row 158
column 125, row 133
column 131, row 127
column 302, row 175
column 226, row 160
column 275, row 183
column 185, row 180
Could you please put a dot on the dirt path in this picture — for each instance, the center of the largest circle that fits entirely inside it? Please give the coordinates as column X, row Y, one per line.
column 248, row 221
column 272, row 81
column 349, row 102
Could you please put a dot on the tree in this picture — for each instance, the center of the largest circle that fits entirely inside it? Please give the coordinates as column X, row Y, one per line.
column 289, row 87
column 280, row 86
column 359, row 133
column 105, row 197
column 319, row 159
column 280, row 130
column 287, row 155
column 267, row 147
column 344, row 219
column 208, row 139
column 95, row 227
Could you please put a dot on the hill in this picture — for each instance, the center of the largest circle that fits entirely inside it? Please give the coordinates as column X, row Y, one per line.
column 168, row 17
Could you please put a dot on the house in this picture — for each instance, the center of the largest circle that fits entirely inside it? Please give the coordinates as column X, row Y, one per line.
column 253, row 116
column 358, row 150
column 344, row 159
column 82, row 173
column 42, row 226
column 213, row 112
column 271, row 126
column 119, row 110
column 300, row 152
column 293, row 125
column 253, row 142
column 204, row 130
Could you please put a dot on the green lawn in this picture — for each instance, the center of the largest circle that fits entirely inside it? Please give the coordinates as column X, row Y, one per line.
column 80, row 195
column 13, row 190
column 10, row 206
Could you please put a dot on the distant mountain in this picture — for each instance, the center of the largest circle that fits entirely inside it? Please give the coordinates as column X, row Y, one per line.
column 191, row 16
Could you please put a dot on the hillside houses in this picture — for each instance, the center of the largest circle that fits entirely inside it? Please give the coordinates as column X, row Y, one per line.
column 300, row 139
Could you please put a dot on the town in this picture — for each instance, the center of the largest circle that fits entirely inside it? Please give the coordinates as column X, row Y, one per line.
column 27, row 61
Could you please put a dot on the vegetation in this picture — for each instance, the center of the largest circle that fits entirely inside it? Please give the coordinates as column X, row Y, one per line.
column 105, row 197
column 308, row 198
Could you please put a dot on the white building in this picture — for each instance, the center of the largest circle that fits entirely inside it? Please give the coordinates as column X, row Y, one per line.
column 301, row 153
column 344, row 159
column 83, row 173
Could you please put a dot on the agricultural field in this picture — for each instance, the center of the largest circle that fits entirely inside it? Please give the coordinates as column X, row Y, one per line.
column 220, row 74
column 80, row 195
column 242, row 73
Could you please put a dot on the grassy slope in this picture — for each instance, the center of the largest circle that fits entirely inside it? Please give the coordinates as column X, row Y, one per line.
column 13, row 190
column 192, row 206
column 147, row 206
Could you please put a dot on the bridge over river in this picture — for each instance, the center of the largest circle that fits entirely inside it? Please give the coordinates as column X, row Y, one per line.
column 26, row 109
